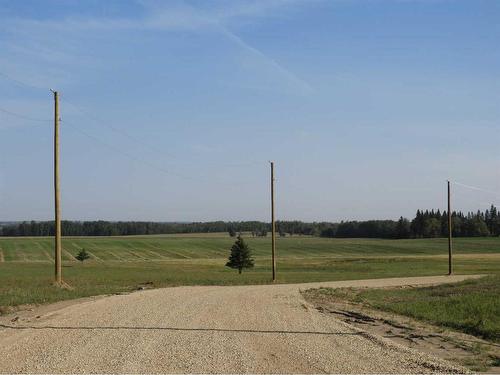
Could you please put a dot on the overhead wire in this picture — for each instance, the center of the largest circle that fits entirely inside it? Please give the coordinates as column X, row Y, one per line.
column 21, row 83
column 146, row 144
column 475, row 188
column 113, row 128
column 149, row 146
column 23, row 116
column 124, row 153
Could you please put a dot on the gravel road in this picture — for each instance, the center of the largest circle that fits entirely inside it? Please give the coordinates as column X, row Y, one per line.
column 205, row 329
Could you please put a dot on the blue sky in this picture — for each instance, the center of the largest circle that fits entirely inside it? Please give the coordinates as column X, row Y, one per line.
column 171, row 109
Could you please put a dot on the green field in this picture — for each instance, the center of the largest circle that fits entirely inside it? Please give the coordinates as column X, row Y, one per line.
column 210, row 246
column 471, row 306
column 120, row 264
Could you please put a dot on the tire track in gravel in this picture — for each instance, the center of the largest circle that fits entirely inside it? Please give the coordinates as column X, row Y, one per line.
column 207, row 329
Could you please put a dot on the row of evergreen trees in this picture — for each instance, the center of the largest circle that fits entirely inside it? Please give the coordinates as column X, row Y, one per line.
column 124, row 228
column 435, row 224
column 425, row 224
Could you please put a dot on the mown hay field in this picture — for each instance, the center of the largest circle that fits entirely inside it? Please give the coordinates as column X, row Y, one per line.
column 123, row 264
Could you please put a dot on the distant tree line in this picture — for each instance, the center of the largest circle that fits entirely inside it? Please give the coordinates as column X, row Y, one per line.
column 425, row 224
column 124, row 228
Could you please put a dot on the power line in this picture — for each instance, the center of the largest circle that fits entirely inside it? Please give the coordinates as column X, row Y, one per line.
column 23, row 116
column 149, row 146
column 130, row 156
column 21, row 83
column 476, row 188
column 115, row 129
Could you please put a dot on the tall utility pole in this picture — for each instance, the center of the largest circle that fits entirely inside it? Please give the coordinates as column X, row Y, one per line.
column 450, row 269
column 273, row 226
column 57, row 195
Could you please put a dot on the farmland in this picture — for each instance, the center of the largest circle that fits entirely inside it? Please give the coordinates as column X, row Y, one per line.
column 122, row 264
column 472, row 306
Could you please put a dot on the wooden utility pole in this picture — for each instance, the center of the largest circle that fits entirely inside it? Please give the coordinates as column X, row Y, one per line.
column 57, row 195
column 450, row 268
column 273, row 225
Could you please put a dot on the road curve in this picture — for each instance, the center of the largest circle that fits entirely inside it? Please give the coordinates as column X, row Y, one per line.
column 206, row 329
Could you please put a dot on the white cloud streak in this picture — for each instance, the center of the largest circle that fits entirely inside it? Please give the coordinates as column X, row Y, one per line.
column 170, row 17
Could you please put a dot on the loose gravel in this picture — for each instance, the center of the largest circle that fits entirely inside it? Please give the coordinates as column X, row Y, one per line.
column 206, row 329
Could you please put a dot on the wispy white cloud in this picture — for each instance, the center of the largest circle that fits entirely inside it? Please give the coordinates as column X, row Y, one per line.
column 190, row 17
column 161, row 16
column 300, row 85
column 182, row 14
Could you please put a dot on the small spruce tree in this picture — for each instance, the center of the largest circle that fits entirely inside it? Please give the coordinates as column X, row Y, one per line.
column 82, row 255
column 232, row 232
column 241, row 256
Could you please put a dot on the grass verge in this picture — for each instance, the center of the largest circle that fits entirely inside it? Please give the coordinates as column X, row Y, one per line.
column 471, row 306
column 30, row 283
column 122, row 264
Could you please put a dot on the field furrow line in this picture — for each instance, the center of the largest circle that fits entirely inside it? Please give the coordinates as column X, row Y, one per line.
column 69, row 255
column 2, row 259
column 43, row 251
column 180, row 254
column 49, row 257
column 75, row 245
column 114, row 255
column 94, row 256
column 160, row 255
column 133, row 254
column 170, row 252
column 138, row 253
column 21, row 255
column 142, row 252
column 155, row 254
